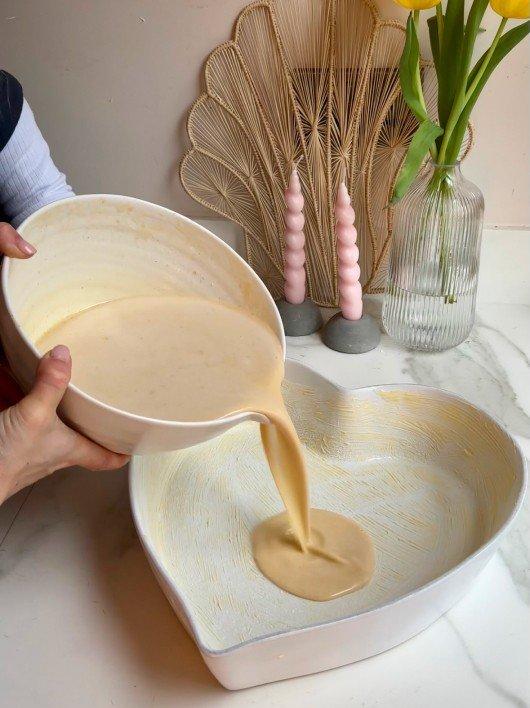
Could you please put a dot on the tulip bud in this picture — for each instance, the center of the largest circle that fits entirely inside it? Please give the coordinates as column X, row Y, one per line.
column 511, row 9
column 418, row 4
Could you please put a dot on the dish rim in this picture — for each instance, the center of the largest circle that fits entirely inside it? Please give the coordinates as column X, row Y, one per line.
column 481, row 550
column 175, row 424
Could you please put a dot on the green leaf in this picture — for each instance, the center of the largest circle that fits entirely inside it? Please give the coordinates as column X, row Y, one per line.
column 506, row 43
column 422, row 141
column 432, row 24
column 450, row 58
column 474, row 19
column 409, row 72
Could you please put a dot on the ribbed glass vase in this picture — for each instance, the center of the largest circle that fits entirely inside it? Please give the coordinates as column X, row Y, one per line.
column 432, row 281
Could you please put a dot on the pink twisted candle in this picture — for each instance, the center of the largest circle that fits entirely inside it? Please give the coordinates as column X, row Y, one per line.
column 294, row 254
column 350, row 291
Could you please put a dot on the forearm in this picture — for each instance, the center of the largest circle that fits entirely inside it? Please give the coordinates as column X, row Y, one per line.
column 28, row 177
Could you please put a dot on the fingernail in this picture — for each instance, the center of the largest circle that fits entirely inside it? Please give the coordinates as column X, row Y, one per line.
column 26, row 247
column 60, row 352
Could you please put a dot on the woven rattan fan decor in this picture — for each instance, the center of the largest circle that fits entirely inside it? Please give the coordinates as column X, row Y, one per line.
column 314, row 81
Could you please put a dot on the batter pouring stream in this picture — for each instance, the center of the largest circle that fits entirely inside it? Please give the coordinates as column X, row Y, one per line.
column 189, row 359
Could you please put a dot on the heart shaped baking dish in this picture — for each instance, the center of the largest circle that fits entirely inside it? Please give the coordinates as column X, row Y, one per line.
column 433, row 479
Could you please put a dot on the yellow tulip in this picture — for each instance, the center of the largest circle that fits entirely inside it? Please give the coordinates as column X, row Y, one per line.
column 419, row 4
column 512, row 9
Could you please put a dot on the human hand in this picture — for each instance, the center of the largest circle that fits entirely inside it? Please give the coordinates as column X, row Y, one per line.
column 34, row 442
column 13, row 245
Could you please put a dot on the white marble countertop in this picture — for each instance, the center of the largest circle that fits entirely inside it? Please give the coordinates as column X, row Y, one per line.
column 83, row 621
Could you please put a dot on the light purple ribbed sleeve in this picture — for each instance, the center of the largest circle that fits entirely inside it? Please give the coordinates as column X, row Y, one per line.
column 28, row 177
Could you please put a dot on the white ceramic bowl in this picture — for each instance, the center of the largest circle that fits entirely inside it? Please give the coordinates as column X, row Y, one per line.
column 95, row 248
column 434, row 480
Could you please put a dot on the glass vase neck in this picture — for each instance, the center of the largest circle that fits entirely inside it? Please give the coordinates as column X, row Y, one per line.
column 443, row 175
column 447, row 167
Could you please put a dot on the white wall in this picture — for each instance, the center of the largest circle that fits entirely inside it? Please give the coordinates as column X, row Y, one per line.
column 111, row 82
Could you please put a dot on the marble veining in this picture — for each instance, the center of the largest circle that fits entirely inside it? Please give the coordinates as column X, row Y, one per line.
column 503, row 693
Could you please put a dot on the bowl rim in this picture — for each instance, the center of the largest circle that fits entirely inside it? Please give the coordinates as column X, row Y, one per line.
column 522, row 479
column 159, row 422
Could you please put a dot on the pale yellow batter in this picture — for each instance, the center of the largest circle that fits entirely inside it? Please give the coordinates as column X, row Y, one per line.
column 190, row 359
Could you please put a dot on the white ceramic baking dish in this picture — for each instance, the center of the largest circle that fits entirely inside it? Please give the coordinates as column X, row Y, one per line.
column 435, row 481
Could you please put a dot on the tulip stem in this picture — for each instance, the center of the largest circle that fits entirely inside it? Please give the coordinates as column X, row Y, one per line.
column 465, row 94
column 416, row 18
column 487, row 59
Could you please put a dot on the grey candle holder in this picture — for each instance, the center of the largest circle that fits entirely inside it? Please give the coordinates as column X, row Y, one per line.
column 351, row 336
column 299, row 320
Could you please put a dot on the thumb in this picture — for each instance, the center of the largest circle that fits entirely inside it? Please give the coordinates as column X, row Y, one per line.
column 53, row 374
